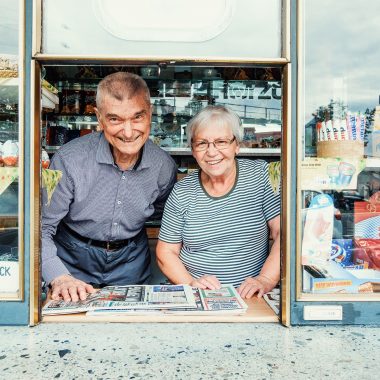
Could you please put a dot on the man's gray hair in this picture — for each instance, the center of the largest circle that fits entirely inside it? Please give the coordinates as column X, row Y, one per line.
column 122, row 85
column 221, row 116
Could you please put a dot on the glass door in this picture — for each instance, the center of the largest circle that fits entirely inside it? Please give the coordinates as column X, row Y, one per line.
column 338, row 159
column 11, row 153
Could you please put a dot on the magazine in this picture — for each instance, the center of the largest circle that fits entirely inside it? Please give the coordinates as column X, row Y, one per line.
column 225, row 300
column 272, row 298
column 127, row 297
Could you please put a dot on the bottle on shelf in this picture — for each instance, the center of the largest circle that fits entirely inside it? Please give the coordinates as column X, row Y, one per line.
column 58, row 107
column 71, row 98
column 89, row 99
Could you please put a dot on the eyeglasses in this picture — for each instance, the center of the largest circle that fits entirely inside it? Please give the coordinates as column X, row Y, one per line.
column 219, row 144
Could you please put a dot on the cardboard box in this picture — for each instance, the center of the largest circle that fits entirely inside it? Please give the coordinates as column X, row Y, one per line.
column 333, row 278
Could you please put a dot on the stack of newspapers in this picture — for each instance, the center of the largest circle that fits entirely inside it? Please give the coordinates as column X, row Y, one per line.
column 152, row 299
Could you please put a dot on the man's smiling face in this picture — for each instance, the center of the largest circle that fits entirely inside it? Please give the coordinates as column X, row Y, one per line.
column 126, row 124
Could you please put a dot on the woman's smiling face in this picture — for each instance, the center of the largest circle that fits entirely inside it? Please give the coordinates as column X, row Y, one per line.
column 213, row 161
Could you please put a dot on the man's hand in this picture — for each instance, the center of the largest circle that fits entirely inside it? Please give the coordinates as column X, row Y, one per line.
column 69, row 288
column 259, row 284
column 206, row 282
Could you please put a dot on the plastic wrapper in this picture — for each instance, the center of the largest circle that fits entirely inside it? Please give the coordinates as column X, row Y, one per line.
column 10, row 153
column 367, row 252
column 341, row 252
column 45, row 160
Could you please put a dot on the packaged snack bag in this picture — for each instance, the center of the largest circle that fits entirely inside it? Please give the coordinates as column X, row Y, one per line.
column 10, row 153
column 367, row 252
column 45, row 160
column 341, row 251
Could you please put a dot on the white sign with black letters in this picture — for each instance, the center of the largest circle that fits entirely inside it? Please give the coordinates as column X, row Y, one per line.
column 9, row 276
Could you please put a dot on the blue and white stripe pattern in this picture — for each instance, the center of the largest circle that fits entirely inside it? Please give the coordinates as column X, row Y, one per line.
column 368, row 228
column 225, row 236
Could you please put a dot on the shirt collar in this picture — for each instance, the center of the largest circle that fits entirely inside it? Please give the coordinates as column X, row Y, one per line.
column 104, row 153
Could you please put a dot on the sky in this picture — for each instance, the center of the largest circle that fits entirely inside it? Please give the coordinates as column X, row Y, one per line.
column 342, row 53
column 9, row 27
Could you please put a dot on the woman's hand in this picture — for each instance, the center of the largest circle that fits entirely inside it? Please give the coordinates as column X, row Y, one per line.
column 70, row 288
column 206, row 282
column 259, row 284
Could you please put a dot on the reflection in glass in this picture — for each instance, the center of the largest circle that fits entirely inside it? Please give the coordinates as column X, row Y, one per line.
column 9, row 147
column 341, row 150
column 177, row 94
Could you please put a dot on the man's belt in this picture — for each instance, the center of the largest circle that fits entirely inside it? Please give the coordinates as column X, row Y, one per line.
column 112, row 245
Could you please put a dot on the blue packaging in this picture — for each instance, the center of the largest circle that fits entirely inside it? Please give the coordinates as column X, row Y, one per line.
column 341, row 251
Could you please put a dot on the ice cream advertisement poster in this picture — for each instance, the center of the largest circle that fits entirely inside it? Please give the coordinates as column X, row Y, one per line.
column 330, row 173
column 318, row 230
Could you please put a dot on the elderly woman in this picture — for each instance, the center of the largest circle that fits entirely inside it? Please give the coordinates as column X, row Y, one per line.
column 217, row 221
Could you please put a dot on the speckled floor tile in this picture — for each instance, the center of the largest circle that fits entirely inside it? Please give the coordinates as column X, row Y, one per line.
column 188, row 351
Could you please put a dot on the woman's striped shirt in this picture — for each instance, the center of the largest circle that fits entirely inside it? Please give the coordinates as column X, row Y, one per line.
column 225, row 236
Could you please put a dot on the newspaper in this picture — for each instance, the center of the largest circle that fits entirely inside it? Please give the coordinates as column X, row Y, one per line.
column 130, row 297
column 273, row 300
column 225, row 300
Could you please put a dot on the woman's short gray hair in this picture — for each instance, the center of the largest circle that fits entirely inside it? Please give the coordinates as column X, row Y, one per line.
column 122, row 85
column 223, row 117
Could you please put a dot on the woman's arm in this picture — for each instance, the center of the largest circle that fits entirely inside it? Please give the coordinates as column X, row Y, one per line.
column 271, row 267
column 172, row 267
column 270, row 272
column 170, row 264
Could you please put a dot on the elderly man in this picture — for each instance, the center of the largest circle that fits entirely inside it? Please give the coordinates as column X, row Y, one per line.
column 113, row 181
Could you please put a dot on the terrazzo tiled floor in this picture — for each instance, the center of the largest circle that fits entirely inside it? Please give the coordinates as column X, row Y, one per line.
column 188, row 351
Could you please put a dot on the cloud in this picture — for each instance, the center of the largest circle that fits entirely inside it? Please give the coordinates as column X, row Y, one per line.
column 9, row 27
column 342, row 53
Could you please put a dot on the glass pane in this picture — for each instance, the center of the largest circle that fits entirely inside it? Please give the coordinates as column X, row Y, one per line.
column 169, row 28
column 9, row 148
column 340, row 159
column 177, row 94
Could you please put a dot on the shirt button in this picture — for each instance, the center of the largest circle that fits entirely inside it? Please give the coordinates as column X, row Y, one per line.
column 123, row 177
column 115, row 224
column 119, row 202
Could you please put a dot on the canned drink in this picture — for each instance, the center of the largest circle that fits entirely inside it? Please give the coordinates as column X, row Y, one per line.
column 357, row 126
column 323, row 132
column 319, row 130
column 362, row 126
column 346, row 171
column 343, row 129
column 329, row 130
column 353, row 126
column 336, row 129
